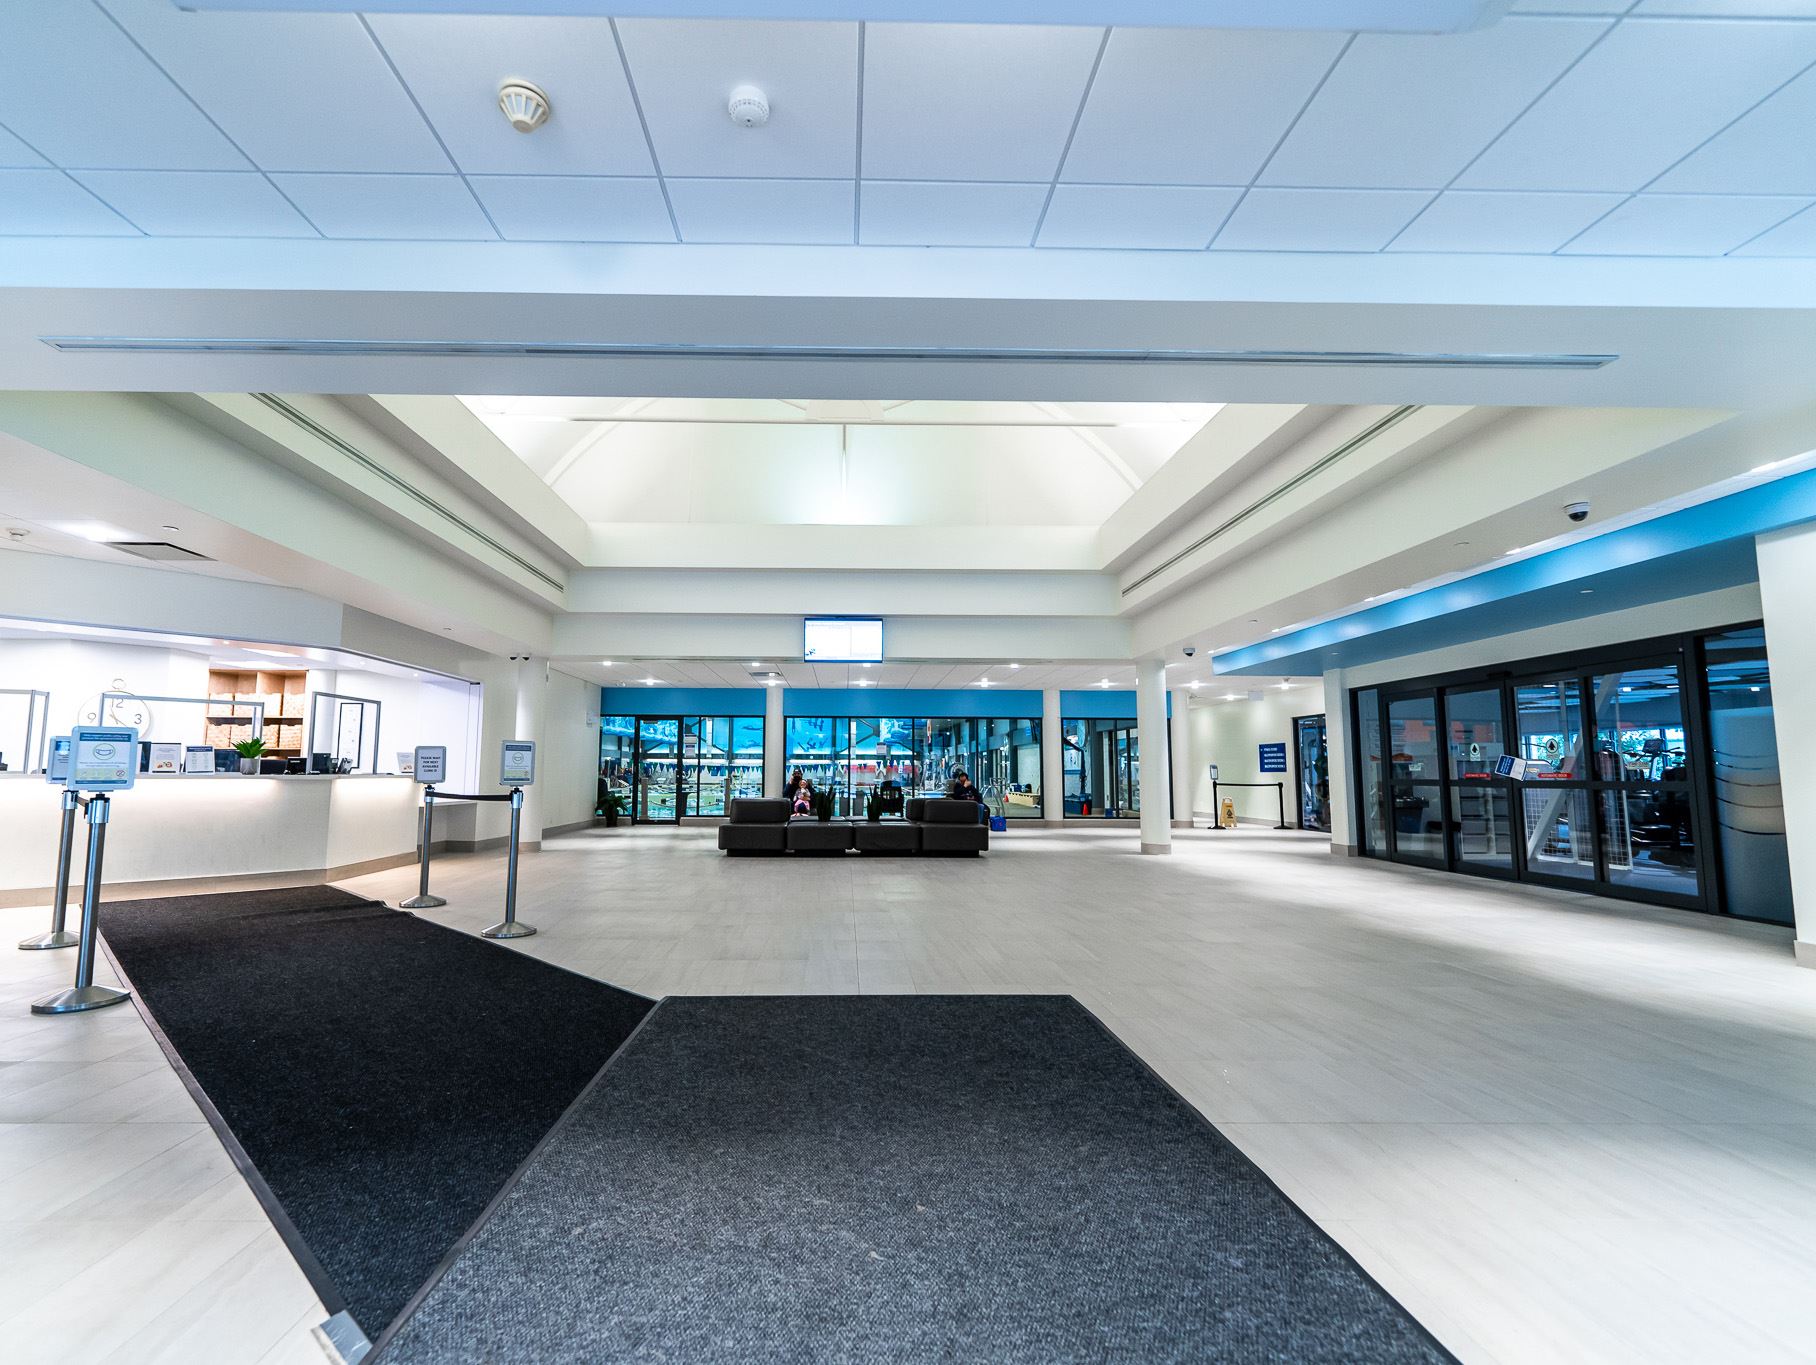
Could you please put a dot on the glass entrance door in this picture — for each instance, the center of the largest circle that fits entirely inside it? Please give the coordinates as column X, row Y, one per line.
column 1314, row 772
column 658, row 770
column 1415, row 794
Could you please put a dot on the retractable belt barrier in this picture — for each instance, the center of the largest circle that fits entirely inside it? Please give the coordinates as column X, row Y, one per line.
column 510, row 926
column 1279, row 790
column 59, row 937
column 85, row 995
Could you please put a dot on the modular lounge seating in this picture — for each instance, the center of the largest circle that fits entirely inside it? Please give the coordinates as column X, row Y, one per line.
column 936, row 825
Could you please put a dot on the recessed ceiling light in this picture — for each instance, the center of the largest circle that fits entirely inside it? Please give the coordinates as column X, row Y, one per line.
column 651, row 682
column 1194, row 683
column 98, row 531
column 755, row 663
column 1104, row 683
column 605, row 663
column 1014, row 665
column 1585, row 591
column 1231, row 696
column 983, row 682
column 1284, row 686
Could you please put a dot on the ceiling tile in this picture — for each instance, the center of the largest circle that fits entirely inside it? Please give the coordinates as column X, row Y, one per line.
column 1319, row 220
column 1405, row 110
column 76, row 88
column 199, row 203
column 1201, row 106
column 15, row 153
column 1607, row 7
column 298, row 92
column 1512, row 221
column 1157, row 217
column 1769, row 151
column 1793, row 237
column 1683, row 225
column 543, row 208
column 405, row 207
column 1645, row 96
column 686, row 70
column 971, row 101
column 50, row 204
column 454, row 65
column 1746, row 9
column 763, row 210
column 922, row 213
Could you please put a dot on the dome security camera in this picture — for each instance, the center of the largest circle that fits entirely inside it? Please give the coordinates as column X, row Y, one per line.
column 1190, row 650
column 1577, row 511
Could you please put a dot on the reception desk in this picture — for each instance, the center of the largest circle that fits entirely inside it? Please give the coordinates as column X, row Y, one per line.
column 169, row 832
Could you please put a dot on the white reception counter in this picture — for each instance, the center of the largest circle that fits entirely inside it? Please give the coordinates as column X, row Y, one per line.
column 173, row 829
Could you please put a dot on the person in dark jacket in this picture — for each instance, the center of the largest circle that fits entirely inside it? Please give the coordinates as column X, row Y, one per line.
column 799, row 793
column 962, row 788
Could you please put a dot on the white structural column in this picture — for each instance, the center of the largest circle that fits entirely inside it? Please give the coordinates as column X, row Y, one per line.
column 775, row 742
column 1787, row 567
column 1179, row 758
column 1052, row 759
column 532, row 699
column 1151, row 730
column 1338, row 746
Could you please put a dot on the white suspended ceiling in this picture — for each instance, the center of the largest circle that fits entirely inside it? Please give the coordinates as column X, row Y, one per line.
column 1662, row 128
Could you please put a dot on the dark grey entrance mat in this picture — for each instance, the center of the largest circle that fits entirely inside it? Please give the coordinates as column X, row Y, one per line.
column 383, row 1075
column 899, row 1178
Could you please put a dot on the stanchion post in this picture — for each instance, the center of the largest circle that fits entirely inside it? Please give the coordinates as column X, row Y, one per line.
column 1216, row 807
column 511, row 926
column 422, row 900
column 85, row 995
column 1280, row 791
column 59, row 937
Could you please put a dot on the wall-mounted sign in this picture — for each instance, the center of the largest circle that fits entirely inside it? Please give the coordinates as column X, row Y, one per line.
column 103, row 758
column 517, row 763
column 431, row 764
column 1273, row 758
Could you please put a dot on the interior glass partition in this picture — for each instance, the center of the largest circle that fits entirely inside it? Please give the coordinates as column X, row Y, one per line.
column 1102, row 768
column 917, row 756
column 667, row 767
column 1632, row 756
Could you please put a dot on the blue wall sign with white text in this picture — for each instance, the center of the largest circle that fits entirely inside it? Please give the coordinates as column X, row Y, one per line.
column 1273, row 758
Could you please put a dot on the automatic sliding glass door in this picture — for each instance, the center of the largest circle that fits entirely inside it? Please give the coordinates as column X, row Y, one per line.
column 658, row 795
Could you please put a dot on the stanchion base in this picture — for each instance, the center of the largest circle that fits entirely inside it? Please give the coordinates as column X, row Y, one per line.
column 81, row 998
column 422, row 903
column 59, row 938
column 511, row 928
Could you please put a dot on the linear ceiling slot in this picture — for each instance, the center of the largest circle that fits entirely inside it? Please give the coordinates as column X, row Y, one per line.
column 321, row 433
column 613, row 350
column 1342, row 452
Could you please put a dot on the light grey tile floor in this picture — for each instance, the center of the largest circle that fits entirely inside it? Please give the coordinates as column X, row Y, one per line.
column 1556, row 1128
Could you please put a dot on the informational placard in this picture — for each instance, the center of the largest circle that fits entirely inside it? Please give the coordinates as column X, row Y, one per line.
column 1509, row 766
column 198, row 758
column 517, row 763
column 431, row 764
column 842, row 640
column 1273, row 758
column 165, row 758
column 1213, row 772
column 57, row 772
column 103, row 758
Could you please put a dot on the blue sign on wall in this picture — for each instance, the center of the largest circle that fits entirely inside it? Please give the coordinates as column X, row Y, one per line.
column 1273, row 758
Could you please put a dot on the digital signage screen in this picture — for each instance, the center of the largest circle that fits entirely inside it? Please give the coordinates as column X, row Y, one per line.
column 842, row 640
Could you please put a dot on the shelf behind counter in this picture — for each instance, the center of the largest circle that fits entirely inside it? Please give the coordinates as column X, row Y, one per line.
column 175, row 828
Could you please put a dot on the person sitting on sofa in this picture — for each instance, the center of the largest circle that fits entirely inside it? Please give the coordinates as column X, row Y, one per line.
column 799, row 792
column 962, row 788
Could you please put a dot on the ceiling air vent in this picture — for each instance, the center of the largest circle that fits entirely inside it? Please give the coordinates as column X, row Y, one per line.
column 161, row 550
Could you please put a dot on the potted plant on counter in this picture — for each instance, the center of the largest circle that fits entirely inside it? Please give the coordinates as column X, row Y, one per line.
column 250, row 751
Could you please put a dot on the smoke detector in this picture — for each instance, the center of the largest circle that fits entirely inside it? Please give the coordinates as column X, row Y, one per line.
column 524, row 105
column 748, row 107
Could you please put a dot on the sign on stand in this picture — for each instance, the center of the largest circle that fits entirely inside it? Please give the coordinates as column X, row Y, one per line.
column 103, row 758
column 1273, row 758
column 517, row 763
column 431, row 765
column 56, row 772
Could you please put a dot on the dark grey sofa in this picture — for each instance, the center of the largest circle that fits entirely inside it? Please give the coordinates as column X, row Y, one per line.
column 949, row 826
column 935, row 824
column 755, row 825
column 809, row 835
column 886, row 836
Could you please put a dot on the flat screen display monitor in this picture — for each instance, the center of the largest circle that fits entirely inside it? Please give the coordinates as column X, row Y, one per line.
column 843, row 640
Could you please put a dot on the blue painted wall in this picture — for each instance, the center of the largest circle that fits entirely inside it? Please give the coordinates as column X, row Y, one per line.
column 1090, row 703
